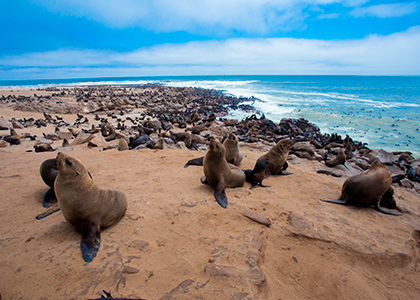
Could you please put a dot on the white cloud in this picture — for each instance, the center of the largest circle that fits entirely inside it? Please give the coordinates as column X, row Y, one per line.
column 395, row 54
column 385, row 10
column 198, row 17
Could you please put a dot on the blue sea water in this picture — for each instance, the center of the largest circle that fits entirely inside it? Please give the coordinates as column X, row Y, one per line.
column 383, row 111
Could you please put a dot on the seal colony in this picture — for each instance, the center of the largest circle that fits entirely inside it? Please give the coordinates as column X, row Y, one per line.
column 157, row 117
column 176, row 238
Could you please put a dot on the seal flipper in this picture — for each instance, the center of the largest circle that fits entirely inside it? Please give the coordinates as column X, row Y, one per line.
column 48, row 212
column 384, row 211
column 195, row 162
column 91, row 240
column 338, row 201
column 219, row 194
column 285, row 173
column 49, row 198
column 204, row 180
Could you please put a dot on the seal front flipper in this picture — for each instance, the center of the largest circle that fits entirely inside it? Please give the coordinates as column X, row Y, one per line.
column 219, row 194
column 195, row 162
column 48, row 212
column 204, row 180
column 91, row 240
column 285, row 173
column 338, row 201
column 49, row 198
column 384, row 211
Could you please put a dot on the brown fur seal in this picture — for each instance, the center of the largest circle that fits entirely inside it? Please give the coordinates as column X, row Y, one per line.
column 371, row 187
column 84, row 205
column 49, row 171
column 340, row 159
column 256, row 176
column 277, row 157
column 219, row 174
column 233, row 154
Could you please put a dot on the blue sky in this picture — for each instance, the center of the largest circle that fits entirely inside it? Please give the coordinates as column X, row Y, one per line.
column 104, row 38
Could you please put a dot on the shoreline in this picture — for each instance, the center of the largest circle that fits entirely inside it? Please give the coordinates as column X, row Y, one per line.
column 175, row 241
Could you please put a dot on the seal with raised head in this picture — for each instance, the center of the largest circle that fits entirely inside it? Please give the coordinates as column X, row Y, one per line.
column 84, row 205
column 370, row 188
column 233, row 154
column 276, row 157
column 219, row 174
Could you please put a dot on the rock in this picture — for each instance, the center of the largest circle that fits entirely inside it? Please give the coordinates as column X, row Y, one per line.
column 3, row 143
column 382, row 155
column 4, row 124
column 97, row 141
column 17, row 125
column 82, row 138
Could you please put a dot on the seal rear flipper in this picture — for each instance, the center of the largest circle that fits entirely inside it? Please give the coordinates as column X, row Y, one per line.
column 49, row 198
column 384, row 211
column 91, row 240
column 195, row 162
column 219, row 194
column 337, row 201
column 48, row 212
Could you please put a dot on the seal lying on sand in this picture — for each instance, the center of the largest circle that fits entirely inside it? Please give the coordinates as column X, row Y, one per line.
column 219, row 174
column 276, row 157
column 371, row 187
column 84, row 205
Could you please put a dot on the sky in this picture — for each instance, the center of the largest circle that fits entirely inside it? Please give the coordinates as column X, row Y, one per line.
column 52, row 39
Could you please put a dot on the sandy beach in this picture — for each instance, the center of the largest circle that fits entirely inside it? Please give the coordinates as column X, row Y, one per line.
column 176, row 242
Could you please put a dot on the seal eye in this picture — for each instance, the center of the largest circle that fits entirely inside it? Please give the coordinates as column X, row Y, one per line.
column 68, row 162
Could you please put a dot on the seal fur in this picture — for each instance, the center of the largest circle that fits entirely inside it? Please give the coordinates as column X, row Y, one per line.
column 84, row 205
column 219, row 174
column 369, row 188
column 233, row 154
column 276, row 157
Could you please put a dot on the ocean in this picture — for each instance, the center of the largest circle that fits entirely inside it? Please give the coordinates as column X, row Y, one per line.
column 382, row 111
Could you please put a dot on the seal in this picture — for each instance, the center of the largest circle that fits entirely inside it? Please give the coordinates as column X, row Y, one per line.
column 370, row 188
column 276, row 157
column 49, row 171
column 340, row 159
column 84, row 205
column 256, row 176
column 219, row 174
column 233, row 154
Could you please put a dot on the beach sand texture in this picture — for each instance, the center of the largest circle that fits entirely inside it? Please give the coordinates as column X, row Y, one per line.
column 176, row 242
